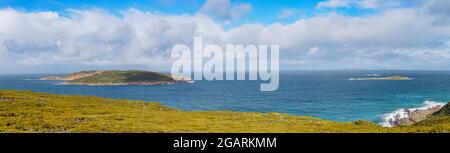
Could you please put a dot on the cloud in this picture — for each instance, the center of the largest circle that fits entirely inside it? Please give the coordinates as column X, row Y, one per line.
column 360, row 4
column 95, row 37
column 436, row 6
column 400, row 38
column 225, row 10
column 313, row 50
column 393, row 39
column 369, row 4
column 335, row 3
column 287, row 13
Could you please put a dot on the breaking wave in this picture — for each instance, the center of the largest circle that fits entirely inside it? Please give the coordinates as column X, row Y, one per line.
column 389, row 119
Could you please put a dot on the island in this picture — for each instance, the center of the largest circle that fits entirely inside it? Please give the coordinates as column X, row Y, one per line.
column 26, row 111
column 383, row 78
column 117, row 77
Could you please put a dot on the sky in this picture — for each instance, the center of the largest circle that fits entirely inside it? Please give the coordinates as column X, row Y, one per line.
column 60, row 36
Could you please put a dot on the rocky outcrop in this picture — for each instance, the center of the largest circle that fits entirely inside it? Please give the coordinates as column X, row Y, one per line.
column 408, row 116
column 444, row 110
column 417, row 115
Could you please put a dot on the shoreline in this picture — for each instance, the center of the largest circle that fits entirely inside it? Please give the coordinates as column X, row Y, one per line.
column 410, row 115
column 124, row 84
column 399, row 117
column 77, row 113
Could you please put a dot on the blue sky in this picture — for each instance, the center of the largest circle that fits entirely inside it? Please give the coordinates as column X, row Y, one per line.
column 263, row 11
column 69, row 35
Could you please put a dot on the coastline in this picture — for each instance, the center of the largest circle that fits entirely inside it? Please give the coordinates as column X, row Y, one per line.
column 409, row 116
column 124, row 84
column 28, row 111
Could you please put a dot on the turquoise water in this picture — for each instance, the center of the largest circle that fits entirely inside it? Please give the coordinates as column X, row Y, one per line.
column 324, row 94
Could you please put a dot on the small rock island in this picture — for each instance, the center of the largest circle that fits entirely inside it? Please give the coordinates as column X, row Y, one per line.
column 383, row 78
column 117, row 77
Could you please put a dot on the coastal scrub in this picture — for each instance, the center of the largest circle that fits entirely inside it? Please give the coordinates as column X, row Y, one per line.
column 25, row 111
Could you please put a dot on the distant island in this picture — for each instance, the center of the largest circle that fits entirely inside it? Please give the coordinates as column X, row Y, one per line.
column 116, row 77
column 383, row 78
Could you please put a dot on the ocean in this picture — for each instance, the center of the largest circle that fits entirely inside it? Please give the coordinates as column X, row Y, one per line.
column 324, row 94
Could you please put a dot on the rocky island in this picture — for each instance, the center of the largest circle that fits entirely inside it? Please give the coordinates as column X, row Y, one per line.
column 383, row 78
column 116, row 77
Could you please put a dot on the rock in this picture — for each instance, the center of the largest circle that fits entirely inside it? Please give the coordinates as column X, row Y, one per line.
column 444, row 110
column 414, row 115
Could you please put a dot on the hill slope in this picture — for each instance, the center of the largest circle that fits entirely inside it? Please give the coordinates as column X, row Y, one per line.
column 23, row 111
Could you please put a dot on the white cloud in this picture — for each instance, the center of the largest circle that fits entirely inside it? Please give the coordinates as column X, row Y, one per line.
column 335, row 3
column 94, row 37
column 368, row 4
column 313, row 50
column 361, row 4
column 402, row 38
column 225, row 10
column 287, row 13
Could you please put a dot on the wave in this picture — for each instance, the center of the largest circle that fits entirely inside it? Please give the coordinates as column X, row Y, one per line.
column 373, row 74
column 392, row 119
column 30, row 79
column 355, row 79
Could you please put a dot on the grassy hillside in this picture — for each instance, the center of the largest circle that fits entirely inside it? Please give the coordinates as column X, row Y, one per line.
column 117, row 77
column 23, row 111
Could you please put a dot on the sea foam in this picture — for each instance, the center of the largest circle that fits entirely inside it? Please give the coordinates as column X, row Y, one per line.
column 391, row 119
column 30, row 79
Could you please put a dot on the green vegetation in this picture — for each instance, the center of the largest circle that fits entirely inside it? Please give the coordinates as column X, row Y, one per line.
column 396, row 78
column 123, row 77
column 24, row 111
column 73, row 76
column 385, row 78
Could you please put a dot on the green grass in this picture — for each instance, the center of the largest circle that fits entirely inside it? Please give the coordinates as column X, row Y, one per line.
column 397, row 78
column 24, row 111
column 123, row 77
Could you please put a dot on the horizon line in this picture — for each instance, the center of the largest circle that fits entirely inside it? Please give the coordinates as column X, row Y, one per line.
column 289, row 70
